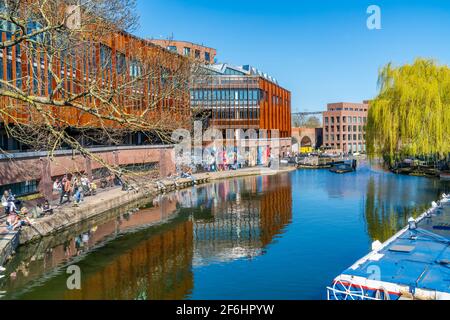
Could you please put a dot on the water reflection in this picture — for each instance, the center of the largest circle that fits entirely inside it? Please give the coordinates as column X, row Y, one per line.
column 391, row 200
column 284, row 236
column 238, row 219
column 123, row 259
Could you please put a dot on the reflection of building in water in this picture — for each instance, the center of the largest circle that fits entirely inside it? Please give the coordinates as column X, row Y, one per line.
column 153, row 264
column 229, row 220
column 158, row 268
column 245, row 215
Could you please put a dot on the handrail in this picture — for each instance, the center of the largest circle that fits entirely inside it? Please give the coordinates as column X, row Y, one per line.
column 41, row 154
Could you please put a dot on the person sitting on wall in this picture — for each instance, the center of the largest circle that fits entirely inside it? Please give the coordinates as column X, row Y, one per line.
column 187, row 174
column 19, row 220
column 47, row 208
column 38, row 211
column 93, row 187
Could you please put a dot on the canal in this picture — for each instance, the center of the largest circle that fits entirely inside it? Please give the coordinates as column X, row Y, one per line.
column 268, row 237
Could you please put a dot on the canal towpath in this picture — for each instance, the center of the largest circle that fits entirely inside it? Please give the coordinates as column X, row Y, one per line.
column 68, row 215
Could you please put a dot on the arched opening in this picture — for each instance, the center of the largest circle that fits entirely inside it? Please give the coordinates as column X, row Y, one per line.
column 306, row 145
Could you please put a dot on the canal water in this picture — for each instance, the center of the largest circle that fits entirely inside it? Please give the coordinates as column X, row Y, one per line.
column 268, row 237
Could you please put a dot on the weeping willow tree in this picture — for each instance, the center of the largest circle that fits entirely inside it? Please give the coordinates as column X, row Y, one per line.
column 411, row 115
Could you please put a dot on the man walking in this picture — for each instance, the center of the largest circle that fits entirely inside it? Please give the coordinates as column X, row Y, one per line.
column 65, row 189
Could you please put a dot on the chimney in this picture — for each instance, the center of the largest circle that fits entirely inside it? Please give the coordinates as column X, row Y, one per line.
column 73, row 17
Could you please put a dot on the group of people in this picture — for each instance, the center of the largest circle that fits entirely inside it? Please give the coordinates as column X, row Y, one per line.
column 16, row 217
column 77, row 187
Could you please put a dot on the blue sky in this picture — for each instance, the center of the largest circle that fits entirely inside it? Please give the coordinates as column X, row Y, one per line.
column 320, row 50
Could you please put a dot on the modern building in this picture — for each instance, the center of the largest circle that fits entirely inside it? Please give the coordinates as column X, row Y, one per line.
column 242, row 97
column 344, row 127
column 188, row 49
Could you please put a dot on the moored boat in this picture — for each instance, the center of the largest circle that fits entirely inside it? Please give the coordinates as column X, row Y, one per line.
column 344, row 167
column 412, row 265
column 445, row 176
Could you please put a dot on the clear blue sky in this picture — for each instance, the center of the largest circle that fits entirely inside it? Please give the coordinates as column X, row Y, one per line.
column 321, row 50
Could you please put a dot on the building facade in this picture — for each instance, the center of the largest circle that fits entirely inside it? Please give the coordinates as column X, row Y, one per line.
column 243, row 98
column 188, row 49
column 117, row 59
column 307, row 139
column 344, row 127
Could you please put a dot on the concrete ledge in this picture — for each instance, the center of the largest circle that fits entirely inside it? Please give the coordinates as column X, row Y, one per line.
column 70, row 216
column 8, row 244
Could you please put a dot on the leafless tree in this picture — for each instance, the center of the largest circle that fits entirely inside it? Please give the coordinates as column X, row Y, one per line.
column 75, row 66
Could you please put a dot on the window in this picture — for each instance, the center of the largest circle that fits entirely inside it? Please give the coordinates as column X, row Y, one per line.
column 187, row 51
column 172, row 48
column 120, row 63
column 21, row 188
column 207, row 57
column 197, row 54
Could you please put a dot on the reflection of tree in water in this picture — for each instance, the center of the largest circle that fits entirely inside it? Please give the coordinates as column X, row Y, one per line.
column 390, row 203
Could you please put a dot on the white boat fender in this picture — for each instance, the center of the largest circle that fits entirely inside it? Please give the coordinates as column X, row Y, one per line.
column 412, row 224
column 376, row 246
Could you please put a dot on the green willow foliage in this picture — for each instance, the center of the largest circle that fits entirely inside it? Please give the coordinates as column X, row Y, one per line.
column 411, row 114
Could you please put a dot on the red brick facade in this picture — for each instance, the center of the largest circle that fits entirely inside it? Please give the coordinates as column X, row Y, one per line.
column 344, row 127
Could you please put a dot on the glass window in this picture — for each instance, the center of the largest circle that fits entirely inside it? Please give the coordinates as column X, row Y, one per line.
column 207, row 57
column 1, row 67
column 172, row 48
column 187, row 51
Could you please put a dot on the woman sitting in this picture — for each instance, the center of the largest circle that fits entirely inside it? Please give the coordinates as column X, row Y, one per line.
column 18, row 220
column 47, row 208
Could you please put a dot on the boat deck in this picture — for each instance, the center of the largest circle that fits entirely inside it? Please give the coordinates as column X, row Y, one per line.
column 413, row 262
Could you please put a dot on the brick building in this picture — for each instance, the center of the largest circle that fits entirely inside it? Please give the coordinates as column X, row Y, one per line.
column 344, row 127
column 117, row 59
column 188, row 49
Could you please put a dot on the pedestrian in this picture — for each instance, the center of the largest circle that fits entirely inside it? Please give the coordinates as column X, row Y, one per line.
column 65, row 189
column 57, row 186
column 5, row 204
column 11, row 201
